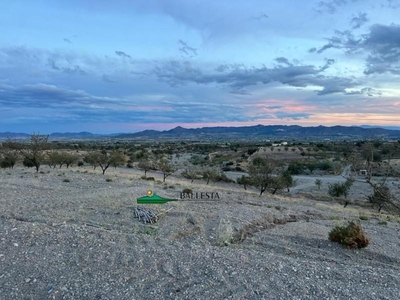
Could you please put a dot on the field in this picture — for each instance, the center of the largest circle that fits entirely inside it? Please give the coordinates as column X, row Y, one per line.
column 71, row 234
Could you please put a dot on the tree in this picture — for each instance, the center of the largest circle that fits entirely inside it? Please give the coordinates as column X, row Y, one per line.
column 145, row 165
column 210, row 174
column 245, row 181
column 380, row 196
column 53, row 158
column 275, row 183
column 34, row 153
column 9, row 160
column 68, row 158
column 191, row 173
column 287, row 180
column 166, row 168
column 318, row 183
column 339, row 189
column 9, row 155
column 117, row 159
column 91, row 158
column 260, row 171
column 105, row 159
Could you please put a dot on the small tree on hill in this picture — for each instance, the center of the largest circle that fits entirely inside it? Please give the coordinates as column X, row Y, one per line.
column 287, row 180
column 210, row 174
column 34, row 153
column 166, row 168
column 145, row 165
column 340, row 189
column 260, row 171
column 245, row 181
column 318, row 183
column 191, row 173
column 105, row 159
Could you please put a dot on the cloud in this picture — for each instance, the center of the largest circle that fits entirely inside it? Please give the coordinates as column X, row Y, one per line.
column 261, row 17
column 238, row 78
column 48, row 96
column 331, row 6
column 107, row 78
column 283, row 60
column 68, row 70
column 358, row 21
column 122, row 54
column 186, row 49
column 293, row 116
column 381, row 44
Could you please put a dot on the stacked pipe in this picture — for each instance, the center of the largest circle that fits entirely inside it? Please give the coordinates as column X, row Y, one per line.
column 145, row 215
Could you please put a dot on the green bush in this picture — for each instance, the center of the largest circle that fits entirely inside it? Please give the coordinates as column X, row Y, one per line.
column 150, row 178
column 28, row 163
column 109, row 180
column 364, row 218
column 383, row 223
column 351, row 236
column 66, row 180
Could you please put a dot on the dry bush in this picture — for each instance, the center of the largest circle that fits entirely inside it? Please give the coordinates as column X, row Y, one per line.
column 351, row 236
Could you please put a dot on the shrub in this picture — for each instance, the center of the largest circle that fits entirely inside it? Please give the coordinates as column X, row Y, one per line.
column 150, row 178
column 364, row 218
column 28, row 163
column 80, row 163
column 109, row 180
column 5, row 164
column 66, row 180
column 351, row 236
column 187, row 191
column 383, row 223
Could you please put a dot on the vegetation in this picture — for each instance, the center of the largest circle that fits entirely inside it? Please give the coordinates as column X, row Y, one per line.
column 351, row 236
column 260, row 171
column 318, row 183
column 166, row 168
column 339, row 189
column 34, row 153
column 245, row 181
column 145, row 165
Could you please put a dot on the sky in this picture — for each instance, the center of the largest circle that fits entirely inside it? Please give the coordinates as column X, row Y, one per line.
column 125, row 66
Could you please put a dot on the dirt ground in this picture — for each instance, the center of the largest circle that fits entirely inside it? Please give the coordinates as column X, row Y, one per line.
column 70, row 234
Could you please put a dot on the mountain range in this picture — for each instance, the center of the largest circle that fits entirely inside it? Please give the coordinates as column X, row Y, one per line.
column 242, row 133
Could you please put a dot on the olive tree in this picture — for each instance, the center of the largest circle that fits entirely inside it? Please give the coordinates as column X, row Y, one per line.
column 260, row 171
column 166, row 167
column 34, row 151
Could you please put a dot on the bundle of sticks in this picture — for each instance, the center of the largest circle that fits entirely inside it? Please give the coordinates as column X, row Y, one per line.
column 145, row 215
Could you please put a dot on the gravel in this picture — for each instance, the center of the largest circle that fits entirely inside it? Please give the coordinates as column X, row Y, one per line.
column 80, row 240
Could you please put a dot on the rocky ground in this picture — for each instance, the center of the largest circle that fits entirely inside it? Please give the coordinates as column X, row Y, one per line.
column 70, row 234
